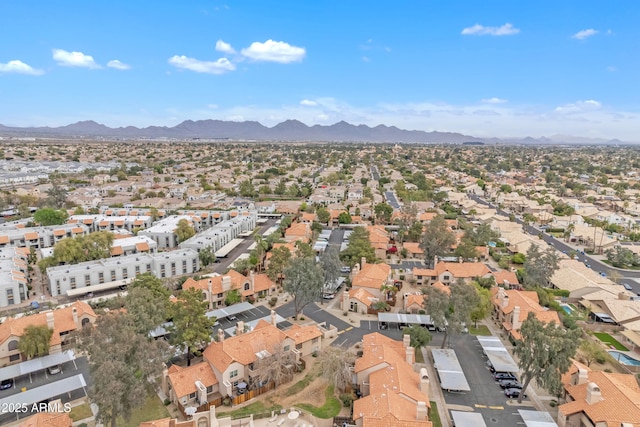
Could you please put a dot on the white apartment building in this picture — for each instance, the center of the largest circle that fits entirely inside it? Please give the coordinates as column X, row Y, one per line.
column 13, row 276
column 222, row 233
column 65, row 278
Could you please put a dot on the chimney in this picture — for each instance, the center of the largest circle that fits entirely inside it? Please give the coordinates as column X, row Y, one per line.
column 363, row 262
column 164, row 384
column 220, row 335
column 435, row 260
column 239, row 328
column 406, row 340
column 581, row 377
column 210, row 289
column 226, row 283
column 50, row 324
column 345, row 301
column 252, row 280
column 460, row 260
column 504, row 298
column 593, row 394
column 409, row 355
column 274, row 320
column 422, row 412
column 424, row 381
column 515, row 318
column 622, row 296
column 74, row 314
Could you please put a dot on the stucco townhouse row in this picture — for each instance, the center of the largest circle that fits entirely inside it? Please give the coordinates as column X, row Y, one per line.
column 110, row 223
column 40, row 237
column 221, row 234
column 65, row 278
column 13, row 276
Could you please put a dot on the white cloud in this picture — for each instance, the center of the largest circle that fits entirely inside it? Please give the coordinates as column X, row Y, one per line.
column 74, row 59
column 583, row 34
column 220, row 66
column 223, row 47
column 308, row 103
column 480, row 30
column 274, row 51
column 612, row 69
column 494, row 100
column 578, row 107
column 19, row 67
column 114, row 63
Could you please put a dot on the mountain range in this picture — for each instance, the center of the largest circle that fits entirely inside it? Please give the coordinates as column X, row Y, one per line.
column 289, row 130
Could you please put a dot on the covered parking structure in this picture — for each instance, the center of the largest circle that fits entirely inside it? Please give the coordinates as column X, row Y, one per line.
column 232, row 310
column 248, row 326
column 467, row 419
column 120, row 284
column 449, row 370
column 537, row 418
column 38, row 364
column 44, row 392
column 498, row 355
column 402, row 320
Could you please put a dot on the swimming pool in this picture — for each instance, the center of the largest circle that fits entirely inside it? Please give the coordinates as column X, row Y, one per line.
column 623, row 358
column 567, row 308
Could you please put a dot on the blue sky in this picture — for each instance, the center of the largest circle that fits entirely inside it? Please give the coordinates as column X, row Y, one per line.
column 485, row 68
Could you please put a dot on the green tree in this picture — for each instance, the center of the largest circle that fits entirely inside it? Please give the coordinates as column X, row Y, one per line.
column 359, row 247
column 49, row 216
column 592, row 351
column 123, row 377
column 147, row 302
column 539, row 266
column 184, row 230
column 383, row 212
column 336, row 366
column 247, row 189
column 481, row 235
column 279, row 260
column 437, row 239
column 545, row 352
column 344, row 218
column 304, row 250
column 303, row 279
column 207, row 256
column 331, row 264
column 483, row 306
column 56, row 196
column 466, row 249
column 407, row 219
column 191, row 327
column 419, row 336
column 35, row 341
column 323, row 215
column 262, row 245
column 437, row 304
column 233, row 297
column 79, row 249
column 281, row 188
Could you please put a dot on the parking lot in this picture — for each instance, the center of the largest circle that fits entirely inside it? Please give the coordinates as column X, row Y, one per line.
column 257, row 312
column 486, row 397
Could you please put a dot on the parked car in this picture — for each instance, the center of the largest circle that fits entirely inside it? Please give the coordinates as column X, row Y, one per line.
column 490, row 366
column 513, row 392
column 5, row 384
column 627, row 287
column 509, row 384
column 504, row 376
column 232, row 318
column 53, row 370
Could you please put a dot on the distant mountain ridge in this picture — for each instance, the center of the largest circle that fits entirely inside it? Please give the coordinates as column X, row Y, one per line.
column 289, row 130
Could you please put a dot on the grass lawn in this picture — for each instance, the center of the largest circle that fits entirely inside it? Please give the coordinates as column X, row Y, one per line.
column 254, row 408
column 330, row 409
column 434, row 415
column 153, row 409
column 81, row 412
column 609, row 340
column 302, row 384
column 419, row 356
column 481, row 330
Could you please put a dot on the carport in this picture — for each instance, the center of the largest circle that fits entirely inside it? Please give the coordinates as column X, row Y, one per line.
column 44, row 392
column 498, row 354
column 251, row 324
column 537, row 418
column 232, row 310
column 449, row 370
column 38, row 364
column 384, row 319
column 467, row 419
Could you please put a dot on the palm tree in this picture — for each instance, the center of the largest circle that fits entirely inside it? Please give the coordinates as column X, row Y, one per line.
column 261, row 249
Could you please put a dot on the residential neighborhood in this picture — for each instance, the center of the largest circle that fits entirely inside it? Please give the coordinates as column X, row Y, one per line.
column 315, row 284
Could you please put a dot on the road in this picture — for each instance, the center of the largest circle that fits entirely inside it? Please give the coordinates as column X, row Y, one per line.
column 42, row 378
column 592, row 262
column 391, row 198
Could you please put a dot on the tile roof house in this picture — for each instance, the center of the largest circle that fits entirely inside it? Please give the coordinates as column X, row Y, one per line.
column 49, row 419
column 216, row 288
column 371, row 276
column 63, row 321
column 379, row 238
column 298, row 231
column 393, row 394
column 513, row 306
column 358, row 300
column 413, row 250
column 599, row 398
column 449, row 272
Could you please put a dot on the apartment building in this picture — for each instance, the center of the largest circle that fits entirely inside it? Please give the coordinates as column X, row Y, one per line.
column 222, row 233
column 13, row 276
column 40, row 237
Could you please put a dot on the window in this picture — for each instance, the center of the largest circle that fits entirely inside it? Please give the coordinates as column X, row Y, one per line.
column 101, row 277
column 14, row 357
column 87, row 280
column 137, row 270
column 233, row 373
column 125, row 273
column 210, row 389
column 315, row 340
column 247, row 286
column 13, row 345
column 173, row 268
column 148, row 268
column 192, row 396
column 287, row 347
column 113, row 275
column 72, row 281
column 298, row 346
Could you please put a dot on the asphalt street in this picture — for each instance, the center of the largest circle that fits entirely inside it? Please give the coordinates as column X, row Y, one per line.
column 243, row 247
